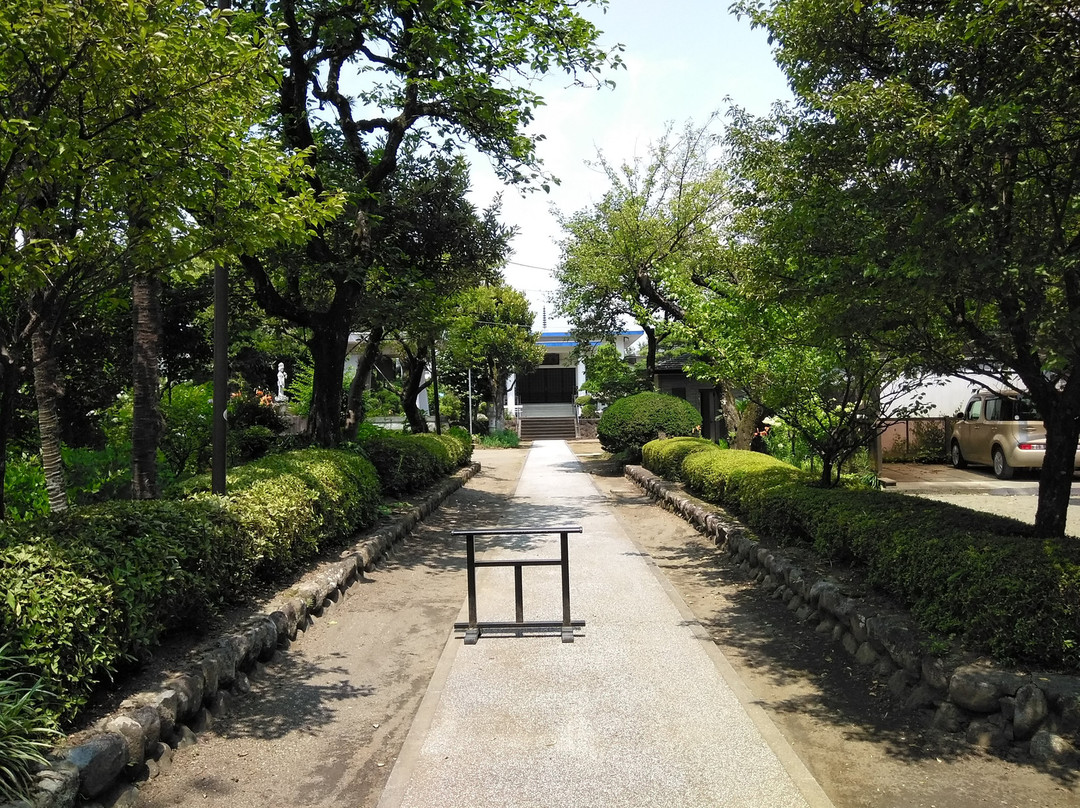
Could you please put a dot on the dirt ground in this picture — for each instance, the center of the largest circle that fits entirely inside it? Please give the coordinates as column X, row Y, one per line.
column 326, row 720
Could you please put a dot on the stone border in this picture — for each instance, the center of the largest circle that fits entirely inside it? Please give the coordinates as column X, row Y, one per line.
column 993, row 706
column 138, row 741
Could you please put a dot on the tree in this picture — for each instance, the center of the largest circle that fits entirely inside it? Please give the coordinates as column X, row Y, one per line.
column 660, row 216
column 431, row 243
column 394, row 75
column 608, row 376
column 122, row 126
column 942, row 142
column 492, row 333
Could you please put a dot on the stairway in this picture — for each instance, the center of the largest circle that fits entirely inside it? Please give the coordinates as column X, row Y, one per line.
column 548, row 429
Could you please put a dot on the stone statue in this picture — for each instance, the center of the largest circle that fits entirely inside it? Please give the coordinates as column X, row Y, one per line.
column 281, row 381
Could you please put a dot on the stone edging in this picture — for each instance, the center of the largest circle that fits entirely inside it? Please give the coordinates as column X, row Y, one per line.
column 138, row 741
column 992, row 706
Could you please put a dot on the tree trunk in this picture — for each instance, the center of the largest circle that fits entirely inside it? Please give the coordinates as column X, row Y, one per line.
column 650, row 352
column 354, row 407
column 413, row 384
column 147, row 423
column 47, row 391
column 742, row 424
column 1055, row 480
column 329, row 343
column 9, row 386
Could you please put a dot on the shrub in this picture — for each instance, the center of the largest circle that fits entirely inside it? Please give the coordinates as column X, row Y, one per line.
column 978, row 577
column 462, row 436
column 403, row 464
column 187, row 437
column 630, row 423
column 437, row 446
column 25, row 496
column 26, row 733
column 665, row 457
column 501, row 439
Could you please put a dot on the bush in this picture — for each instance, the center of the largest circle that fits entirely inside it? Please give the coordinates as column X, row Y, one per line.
column 630, row 423
column 981, row 578
column 403, row 463
column 501, row 439
column 25, row 496
column 462, row 436
column 92, row 586
column 26, row 733
column 290, row 506
column 665, row 457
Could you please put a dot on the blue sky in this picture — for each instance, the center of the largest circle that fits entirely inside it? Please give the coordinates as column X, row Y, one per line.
column 684, row 59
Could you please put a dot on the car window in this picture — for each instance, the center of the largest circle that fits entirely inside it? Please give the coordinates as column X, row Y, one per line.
column 974, row 410
column 1026, row 411
column 992, row 409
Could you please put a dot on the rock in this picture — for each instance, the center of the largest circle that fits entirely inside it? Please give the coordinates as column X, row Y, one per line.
column 851, row 645
column 858, row 627
column 949, row 717
column 838, row 633
column 885, row 667
column 150, row 721
column 972, row 688
column 124, row 796
column 100, row 761
column 826, row 626
column 184, row 737
column 1030, row 711
column 986, row 735
column 132, row 732
column 58, row 785
column 242, row 684
column 922, row 696
column 189, row 693
column 1046, row 747
column 933, row 671
column 899, row 683
column 866, row 655
column 211, row 671
column 804, row 612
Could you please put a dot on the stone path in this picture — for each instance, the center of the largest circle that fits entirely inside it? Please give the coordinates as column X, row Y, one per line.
column 640, row 710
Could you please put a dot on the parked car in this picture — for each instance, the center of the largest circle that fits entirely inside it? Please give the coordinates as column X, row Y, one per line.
column 1000, row 429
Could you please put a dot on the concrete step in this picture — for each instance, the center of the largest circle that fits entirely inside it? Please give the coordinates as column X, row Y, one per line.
column 548, row 429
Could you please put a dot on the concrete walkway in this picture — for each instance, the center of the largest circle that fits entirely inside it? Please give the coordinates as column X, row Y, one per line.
column 640, row 710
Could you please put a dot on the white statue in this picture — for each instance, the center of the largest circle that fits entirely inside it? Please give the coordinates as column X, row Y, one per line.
column 281, row 381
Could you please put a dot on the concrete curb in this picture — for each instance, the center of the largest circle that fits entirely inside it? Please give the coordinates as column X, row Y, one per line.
column 137, row 741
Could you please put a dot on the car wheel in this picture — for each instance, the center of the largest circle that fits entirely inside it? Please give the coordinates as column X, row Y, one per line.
column 1002, row 469
column 957, row 456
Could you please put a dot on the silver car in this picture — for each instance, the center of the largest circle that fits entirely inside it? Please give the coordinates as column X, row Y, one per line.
column 999, row 429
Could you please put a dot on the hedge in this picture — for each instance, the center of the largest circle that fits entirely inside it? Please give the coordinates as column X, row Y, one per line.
column 411, row 462
column 665, row 457
column 89, row 588
column 631, row 422
column 983, row 579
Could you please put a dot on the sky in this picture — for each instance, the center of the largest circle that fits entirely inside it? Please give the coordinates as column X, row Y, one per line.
column 684, row 59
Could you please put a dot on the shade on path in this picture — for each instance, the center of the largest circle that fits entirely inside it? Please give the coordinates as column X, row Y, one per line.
column 640, row 710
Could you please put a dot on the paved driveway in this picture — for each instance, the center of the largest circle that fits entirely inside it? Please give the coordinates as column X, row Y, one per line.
column 978, row 489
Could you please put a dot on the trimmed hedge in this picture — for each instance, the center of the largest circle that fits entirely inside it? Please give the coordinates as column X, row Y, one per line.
column 665, row 457
column 410, row 462
column 981, row 578
column 91, row 587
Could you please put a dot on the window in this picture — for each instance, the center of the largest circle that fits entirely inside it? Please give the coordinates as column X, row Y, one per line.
column 974, row 410
column 992, row 410
column 550, row 359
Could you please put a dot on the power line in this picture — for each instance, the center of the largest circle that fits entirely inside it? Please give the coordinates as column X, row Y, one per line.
column 530, row 266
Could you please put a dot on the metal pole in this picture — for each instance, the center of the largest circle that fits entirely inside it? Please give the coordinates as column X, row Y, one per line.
column 435, row 392
column 470, row 401
column 221, row 363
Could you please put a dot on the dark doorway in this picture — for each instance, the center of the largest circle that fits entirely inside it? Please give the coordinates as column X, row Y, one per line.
column 553, row 386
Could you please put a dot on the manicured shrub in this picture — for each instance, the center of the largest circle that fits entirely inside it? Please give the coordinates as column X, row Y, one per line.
column 631, row 422
column 665, row 457
column 291, row 505
column 437, row 446
column 402, row 463
column 462, row 436
column 980, row 578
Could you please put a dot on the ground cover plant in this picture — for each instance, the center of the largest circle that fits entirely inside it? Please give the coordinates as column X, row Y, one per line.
column 984, row 581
